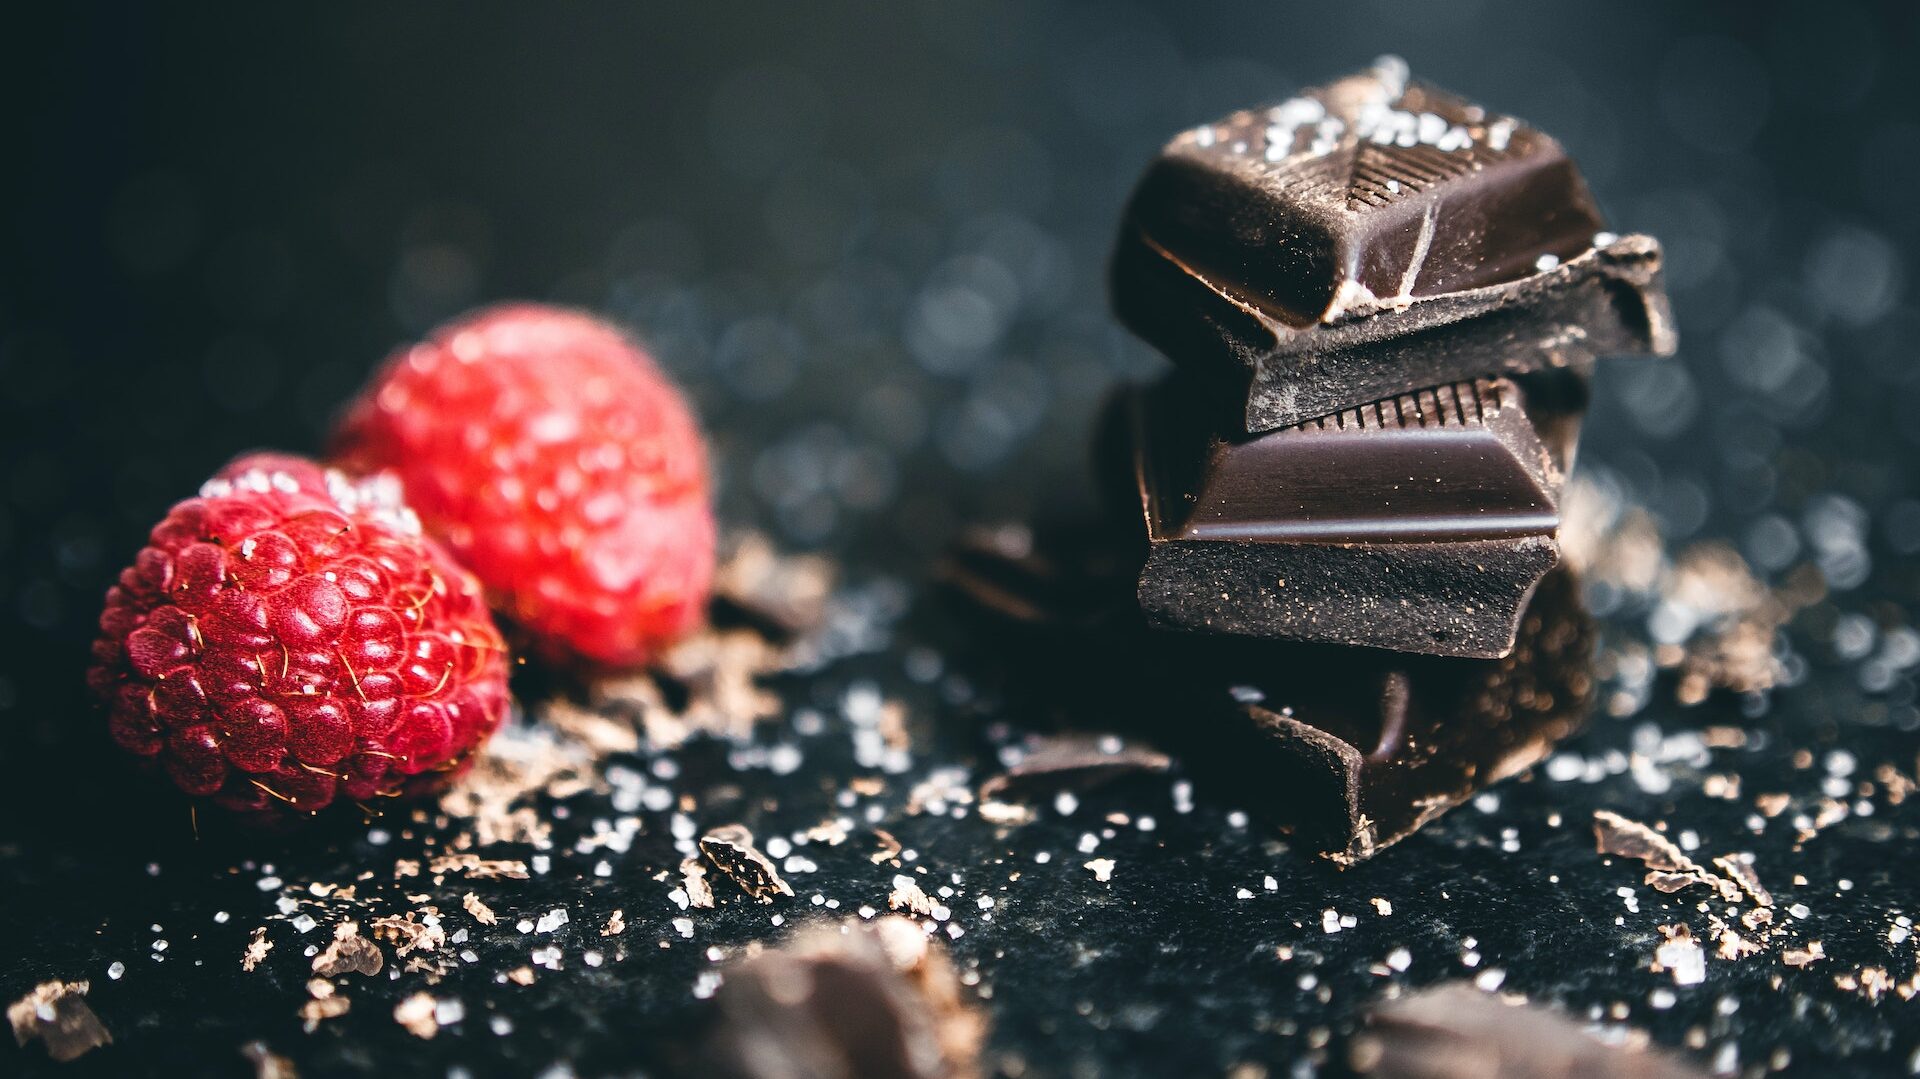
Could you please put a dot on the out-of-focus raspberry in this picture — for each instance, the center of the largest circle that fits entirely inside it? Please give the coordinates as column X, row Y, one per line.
column 288, row 639
column 559, row 465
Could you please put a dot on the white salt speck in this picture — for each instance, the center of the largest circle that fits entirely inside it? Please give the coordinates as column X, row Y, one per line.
column 1243, row 893
column 592, row 959
column 448, row 1012
column 866, row 912
column 524, row 925
column 1897, row 934
column 220, row 917
column 1799, row 910
column 1043, row 857
column 268, row 884
column 684, row 926
column 784, row 759
column 1270, row 884
column 799, row 864
column 705, row 985
column 1684, row 959
column 955, row 932
column 540, row 863
column 603, row 869
column 1330, row 920
column 1487, row 803
column 1183, row 797
column 1662, row 999
column 779, row 847
column 778, row 919
column 1065, row 803
column 1546, row 262
column 986, row 902
column 1146, row 824
column 551, row 920
column 679, row 897
column 1489, row 980
column 682, row 826
column 1605, row 239
column 305, row 923
column 500, row 1025
column 1088, row 841
column 116, row 970
column 1400, row 959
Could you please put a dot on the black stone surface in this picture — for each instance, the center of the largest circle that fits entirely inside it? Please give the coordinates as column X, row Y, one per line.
column 872, row 243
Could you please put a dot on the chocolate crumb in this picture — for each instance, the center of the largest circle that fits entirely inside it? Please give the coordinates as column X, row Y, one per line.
column 257, row 950
column 416, row 1014
column 56, row 1015
column 480, row 911
column 730, row 848
column 349, row 953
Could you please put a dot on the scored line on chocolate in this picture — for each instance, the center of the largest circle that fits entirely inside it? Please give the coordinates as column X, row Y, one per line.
column 1456, row 403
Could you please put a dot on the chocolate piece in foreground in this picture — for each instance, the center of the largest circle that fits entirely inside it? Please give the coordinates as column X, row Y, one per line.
column 1455, row 1031
column 1419, row 523
column 1289, row 248
column 870, row 1000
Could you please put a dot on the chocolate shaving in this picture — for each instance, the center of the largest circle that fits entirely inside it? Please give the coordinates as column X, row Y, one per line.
column 1743, row 875
column 475, row 867
column 730, row 848
column 1074, row 762
column 1669, row 868
column 56, row 1015
column 409, row 935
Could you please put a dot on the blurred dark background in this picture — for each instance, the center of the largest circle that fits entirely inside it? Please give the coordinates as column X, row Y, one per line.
column 870, row 240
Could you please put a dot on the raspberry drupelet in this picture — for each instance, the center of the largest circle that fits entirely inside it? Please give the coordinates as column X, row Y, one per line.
column 560, row 465
column 289, row 639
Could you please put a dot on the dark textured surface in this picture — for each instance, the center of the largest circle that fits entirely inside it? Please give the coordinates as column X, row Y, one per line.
column 872, row 242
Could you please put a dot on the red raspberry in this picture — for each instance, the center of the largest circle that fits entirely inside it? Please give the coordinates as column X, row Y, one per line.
column 289, row 638
column 560, row 465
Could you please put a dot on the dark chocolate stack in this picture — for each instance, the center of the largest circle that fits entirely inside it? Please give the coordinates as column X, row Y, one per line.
column 1385, row 302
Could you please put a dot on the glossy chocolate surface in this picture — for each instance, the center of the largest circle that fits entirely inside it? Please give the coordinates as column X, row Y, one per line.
column 1369, row 192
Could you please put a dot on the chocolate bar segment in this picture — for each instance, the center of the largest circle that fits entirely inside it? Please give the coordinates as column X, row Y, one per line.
column 1419, row 523
column 1309, row 252
column 1367, row 193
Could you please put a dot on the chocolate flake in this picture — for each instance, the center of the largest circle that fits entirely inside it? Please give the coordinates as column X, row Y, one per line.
column 1669, row 868
column 730, row 848
column 475, row 867
column 408, row 934
column 56, row 1014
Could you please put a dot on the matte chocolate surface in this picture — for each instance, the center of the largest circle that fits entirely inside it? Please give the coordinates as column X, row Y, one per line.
column 1419, row 523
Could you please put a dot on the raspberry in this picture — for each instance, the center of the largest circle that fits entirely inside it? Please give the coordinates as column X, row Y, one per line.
column 560, row 465
column 289, row 638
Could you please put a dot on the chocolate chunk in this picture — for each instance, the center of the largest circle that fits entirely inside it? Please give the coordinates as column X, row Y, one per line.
column 876, row 1000
column 1374, row 235
column 1455, row 1030
column 730, row 848
column 1419, row 523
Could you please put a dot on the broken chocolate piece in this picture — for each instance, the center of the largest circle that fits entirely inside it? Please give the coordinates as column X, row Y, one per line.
column 1372, row 235
column 730, row 848
column 1350, row 749
column 1420, row 523
column 1455, row 1030
column 870, row 1000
